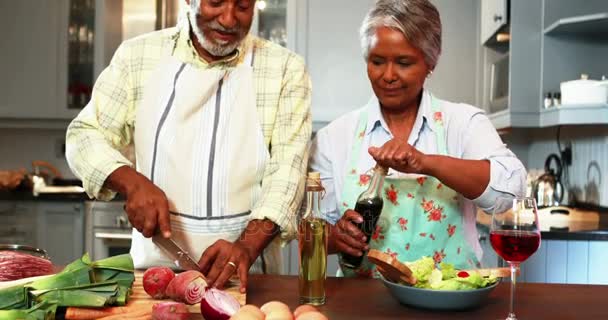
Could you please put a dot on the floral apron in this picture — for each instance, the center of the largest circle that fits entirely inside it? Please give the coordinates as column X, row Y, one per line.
column 420, row 216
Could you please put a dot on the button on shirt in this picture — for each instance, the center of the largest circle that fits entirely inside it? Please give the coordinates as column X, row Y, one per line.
column 469, row 135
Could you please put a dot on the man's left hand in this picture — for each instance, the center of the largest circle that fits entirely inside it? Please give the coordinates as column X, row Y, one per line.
column 399, row 155
column 223, row 259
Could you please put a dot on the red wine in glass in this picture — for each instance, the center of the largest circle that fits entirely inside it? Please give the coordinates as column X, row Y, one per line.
column 513, row 245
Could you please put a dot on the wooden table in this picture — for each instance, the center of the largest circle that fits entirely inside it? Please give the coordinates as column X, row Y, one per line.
column 369, row 299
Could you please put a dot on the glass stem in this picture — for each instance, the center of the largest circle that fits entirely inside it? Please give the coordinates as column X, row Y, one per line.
column 514, row 267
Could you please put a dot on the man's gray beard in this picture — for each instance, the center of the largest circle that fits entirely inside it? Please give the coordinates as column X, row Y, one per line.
column 221, row 49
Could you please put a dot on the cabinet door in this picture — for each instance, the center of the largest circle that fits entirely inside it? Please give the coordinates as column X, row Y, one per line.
column 61, row 230
column 18, row 223
column 493, row 17
column 29, row 46
column 489, row 258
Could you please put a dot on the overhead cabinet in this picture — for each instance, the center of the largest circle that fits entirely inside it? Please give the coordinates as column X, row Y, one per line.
column 53, row 56
column 551, row 41
column 494, row 16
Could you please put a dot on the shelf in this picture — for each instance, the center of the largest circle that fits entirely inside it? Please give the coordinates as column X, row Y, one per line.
column 574, row 115
column 591, row 25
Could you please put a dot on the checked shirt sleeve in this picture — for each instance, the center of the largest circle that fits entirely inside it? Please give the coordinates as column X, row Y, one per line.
column 97, row 137
column 284, row 177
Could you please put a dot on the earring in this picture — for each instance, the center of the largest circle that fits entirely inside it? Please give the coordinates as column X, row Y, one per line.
column 429, row 74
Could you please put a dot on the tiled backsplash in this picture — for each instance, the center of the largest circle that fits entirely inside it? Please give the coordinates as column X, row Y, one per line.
column 19, row 147
column 587, row 174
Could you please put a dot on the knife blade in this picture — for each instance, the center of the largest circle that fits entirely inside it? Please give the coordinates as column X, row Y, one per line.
column 180, row 257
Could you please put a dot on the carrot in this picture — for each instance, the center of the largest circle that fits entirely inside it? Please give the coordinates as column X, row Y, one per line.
column 96, row 313
column 137, row 314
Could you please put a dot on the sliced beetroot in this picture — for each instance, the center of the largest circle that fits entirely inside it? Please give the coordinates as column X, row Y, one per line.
column 218, row 305
column 187, row 287
column 156, row 280
column 170, row 311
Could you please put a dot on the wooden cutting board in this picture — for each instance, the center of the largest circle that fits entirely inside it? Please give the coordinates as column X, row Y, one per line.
column 139, row 299
column 139, row 296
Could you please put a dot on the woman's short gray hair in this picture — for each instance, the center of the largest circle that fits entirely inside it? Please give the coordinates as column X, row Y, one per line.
column 418, row 20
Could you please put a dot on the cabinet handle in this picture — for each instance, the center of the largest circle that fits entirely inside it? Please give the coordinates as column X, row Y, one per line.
column 120, row 236
column 497, row 18
column 483, row 238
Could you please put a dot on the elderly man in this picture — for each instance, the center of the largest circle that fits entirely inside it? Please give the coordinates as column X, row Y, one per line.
column 219, row 121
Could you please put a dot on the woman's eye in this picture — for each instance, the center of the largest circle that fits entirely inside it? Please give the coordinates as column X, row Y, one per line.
column 404, row 63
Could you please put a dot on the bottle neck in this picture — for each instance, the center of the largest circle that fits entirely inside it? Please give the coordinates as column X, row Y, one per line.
column 313, row 203
column 375, row 186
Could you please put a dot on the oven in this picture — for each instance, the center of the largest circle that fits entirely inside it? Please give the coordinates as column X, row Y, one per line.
column 108, row 231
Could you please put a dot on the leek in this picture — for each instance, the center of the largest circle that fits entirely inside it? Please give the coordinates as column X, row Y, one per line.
column 82, row 283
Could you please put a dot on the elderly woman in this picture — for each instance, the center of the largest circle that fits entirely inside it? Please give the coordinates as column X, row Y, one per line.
column 445, row 158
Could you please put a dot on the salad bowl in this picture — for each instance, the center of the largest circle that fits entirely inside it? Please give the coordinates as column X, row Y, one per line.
column 438, row 299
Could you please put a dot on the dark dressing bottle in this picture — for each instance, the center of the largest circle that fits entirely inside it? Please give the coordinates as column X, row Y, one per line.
column 369, row 206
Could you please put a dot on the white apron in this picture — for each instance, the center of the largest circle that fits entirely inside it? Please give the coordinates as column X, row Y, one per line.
column 198, row 138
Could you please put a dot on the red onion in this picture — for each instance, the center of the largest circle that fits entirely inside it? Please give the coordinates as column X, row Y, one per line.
column 170, row 311
column 156, row 280
column 218, row 305
column 16, row 265
column 187, row 287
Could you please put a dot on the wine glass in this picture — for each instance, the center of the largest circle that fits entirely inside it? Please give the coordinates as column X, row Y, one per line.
column 514, row 235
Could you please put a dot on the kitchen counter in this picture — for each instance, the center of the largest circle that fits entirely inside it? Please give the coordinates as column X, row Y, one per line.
column 579, row 224
column 369, row 299
column 62, row 197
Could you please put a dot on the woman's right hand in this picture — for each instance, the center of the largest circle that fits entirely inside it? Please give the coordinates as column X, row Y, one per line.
column 346, row 237
column 147, row 205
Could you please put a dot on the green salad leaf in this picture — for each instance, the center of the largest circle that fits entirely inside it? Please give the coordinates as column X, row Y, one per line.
column 446, row 277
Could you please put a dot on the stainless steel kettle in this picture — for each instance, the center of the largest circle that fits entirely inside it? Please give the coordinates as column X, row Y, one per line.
column 548, row 189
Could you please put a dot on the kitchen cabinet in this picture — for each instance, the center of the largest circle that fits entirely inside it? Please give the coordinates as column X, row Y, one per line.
column 42, row 48
column 30, row 58
column 494, row 16
column 567, row 261
column 552, row 41
column 489, row 258
column 18, row 223
column 60, row 230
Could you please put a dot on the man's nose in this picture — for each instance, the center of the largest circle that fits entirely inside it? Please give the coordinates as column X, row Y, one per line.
column 228, row 18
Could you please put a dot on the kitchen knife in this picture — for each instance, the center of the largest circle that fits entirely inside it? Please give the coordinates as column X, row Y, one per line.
column 180, row 257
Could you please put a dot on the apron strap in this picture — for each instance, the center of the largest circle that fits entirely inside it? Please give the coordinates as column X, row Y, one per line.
column 437, row 123
column 358, row 141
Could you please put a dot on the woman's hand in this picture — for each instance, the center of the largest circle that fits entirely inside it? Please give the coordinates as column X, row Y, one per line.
column 346, row 237
column 399, row 155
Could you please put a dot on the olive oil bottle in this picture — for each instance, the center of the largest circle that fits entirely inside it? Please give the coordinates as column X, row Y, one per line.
column 312, row 245
column 369, row 206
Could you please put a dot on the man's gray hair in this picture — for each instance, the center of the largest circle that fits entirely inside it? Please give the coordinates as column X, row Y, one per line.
column 418, row 20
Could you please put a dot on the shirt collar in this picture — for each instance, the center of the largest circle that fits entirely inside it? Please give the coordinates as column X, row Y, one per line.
column 375, row 120
column 184, row 48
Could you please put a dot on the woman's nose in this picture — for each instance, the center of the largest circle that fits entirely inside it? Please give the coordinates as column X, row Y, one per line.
column 389, row 75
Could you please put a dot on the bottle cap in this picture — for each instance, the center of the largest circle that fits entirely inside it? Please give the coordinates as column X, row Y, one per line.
column 380, row 169
column 313, row 182
column 314, row 175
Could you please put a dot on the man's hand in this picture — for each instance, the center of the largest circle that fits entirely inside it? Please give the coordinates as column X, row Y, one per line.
column 346, row 237
column 399, row 155
column 147, row 205
column 224, row 258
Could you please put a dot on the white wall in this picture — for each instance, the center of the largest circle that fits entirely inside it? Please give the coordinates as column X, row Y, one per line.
column 337, row 68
